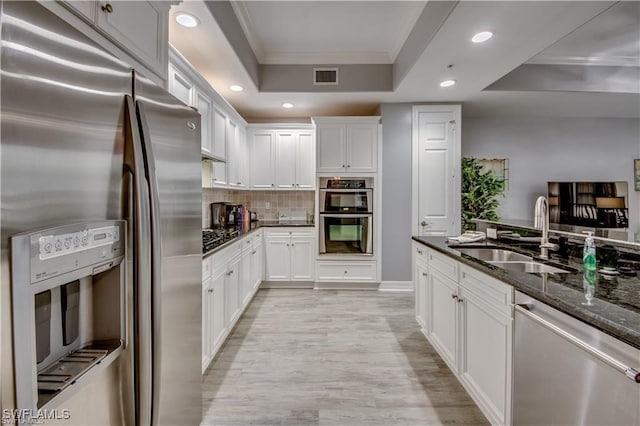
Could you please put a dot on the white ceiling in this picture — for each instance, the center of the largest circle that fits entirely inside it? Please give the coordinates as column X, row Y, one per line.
column 327, row 32
column 303, row 31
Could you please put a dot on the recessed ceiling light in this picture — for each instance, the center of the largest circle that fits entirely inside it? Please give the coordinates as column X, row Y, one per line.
column 482, row 36
column 236, row 88
column 187, row 20
column 287, row 105
column 447, row 83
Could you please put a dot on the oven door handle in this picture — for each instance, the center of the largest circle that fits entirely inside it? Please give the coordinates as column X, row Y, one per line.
column 347, row 215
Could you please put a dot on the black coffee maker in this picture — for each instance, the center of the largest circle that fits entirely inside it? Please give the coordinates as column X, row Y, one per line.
column 223, row 215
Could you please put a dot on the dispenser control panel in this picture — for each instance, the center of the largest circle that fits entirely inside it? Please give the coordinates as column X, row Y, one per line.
column 61, row 244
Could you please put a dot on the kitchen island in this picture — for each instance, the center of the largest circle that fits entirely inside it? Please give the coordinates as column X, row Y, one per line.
column 615, row 308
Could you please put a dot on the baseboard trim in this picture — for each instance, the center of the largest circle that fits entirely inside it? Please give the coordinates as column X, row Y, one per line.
column 396, row 286
column 287, row 284
column 346, row 286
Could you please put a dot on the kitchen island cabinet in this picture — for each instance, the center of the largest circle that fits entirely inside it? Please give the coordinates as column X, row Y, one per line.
column 466, row 315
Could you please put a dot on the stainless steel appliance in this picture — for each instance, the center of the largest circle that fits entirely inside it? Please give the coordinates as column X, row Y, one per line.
column 566, row 372
column 346, row 195
column 346, row 216
column 346, row 234
column 86, row 140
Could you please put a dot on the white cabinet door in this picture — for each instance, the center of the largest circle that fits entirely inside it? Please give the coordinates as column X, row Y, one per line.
column 217, row 317
column 232, row 291
column 285, row 160
column 485, row 367
column 302, row 259
column 257, row 265
column 207, row 324
column 305, row 161
column 140, row 27
column 331, row 148
column 219, row 134
column 233, row 162
column 245, row 157
column 443, row 317
column 245, row 275
column 278, row 259
column 180, row 86
column 362, row 148
column 436, row 177
column 420, row 293
column 205, row 108
column 263, row 159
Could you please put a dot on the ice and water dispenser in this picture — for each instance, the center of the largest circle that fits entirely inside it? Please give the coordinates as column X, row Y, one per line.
column 69, row 316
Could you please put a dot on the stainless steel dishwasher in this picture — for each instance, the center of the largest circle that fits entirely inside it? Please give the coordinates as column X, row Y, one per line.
column 566, row 372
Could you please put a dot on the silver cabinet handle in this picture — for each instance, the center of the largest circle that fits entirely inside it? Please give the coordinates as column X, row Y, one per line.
column 272, row 185
column 348, row 165
column 344, row 166
column 454, row 296
column 292, row 244
column 424, row 274
column 630, row 372
column 210, row 290
column 419, row 251
column 230, row 272
column 254, row 252
column 107, row 8
column 460, row 299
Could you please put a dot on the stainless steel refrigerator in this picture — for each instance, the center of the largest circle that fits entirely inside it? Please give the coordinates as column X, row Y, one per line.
column 85, row 141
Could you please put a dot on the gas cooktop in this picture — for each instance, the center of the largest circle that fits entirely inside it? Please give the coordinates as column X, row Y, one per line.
column 212, row 238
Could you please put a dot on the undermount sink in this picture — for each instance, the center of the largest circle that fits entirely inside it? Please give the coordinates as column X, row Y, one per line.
column 510, row 260
column 494, row 255
column 530, row 267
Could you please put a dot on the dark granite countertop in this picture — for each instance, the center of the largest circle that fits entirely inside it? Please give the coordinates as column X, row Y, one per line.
column 615, row 307
column 254, row 227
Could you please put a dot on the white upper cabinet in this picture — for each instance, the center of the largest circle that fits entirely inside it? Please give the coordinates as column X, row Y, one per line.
column 283, row 158
column 347, row 144
column 138, row 27
column 180, row 86
column 306, row 160
column 219, row 143
column 262, row 147
column 205, row 108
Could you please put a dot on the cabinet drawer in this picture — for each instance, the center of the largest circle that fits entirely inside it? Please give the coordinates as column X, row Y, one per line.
column 206, row 268
column 223, row 256
column 346, row 271
column 421, row 253
column 289, row 232
column 493, row 292
column 444, row 264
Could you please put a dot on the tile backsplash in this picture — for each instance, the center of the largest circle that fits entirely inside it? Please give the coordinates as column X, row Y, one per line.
column 258, row 201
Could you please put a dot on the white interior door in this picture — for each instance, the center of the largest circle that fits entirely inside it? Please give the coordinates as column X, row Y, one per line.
column 436, row 165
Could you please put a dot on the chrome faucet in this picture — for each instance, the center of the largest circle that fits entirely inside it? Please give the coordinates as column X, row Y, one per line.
column 541, row 221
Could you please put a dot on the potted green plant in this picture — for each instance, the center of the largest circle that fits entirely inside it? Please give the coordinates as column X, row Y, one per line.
column 480, row 191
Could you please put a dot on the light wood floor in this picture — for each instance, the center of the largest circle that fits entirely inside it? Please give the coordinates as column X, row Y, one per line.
column 305, row 357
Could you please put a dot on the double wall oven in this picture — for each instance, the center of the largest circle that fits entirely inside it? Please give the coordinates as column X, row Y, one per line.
column 346, row 216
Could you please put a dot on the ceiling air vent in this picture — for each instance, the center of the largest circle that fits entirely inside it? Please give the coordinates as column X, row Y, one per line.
column 325, row 76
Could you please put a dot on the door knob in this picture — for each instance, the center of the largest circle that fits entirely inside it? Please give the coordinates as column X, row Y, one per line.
column 425, row 223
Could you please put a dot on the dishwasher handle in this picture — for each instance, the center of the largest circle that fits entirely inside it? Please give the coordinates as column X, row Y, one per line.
column 629, row 372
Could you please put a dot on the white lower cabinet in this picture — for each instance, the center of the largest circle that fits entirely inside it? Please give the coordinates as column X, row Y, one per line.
column 230, row 279
column 420, row 280
column 339, row 271
column 468, row 318
column 290, row 254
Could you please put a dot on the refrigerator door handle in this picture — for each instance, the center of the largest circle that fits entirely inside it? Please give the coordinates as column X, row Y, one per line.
column 141, row 231
column 156, row 257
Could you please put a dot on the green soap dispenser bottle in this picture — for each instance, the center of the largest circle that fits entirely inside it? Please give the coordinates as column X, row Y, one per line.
column 589, row 253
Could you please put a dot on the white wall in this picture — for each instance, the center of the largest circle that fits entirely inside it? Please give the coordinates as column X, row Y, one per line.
column 555, row 149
